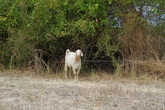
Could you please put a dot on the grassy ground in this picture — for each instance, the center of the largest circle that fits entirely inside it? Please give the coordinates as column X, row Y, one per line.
column 28, row 91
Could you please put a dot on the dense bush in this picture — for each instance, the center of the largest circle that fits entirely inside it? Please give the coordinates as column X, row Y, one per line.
column 101, row 28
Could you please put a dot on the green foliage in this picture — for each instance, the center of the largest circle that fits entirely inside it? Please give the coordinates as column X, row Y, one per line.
column 55, row 25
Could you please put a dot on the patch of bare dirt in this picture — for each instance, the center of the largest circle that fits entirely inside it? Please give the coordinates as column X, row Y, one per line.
column 27, row 93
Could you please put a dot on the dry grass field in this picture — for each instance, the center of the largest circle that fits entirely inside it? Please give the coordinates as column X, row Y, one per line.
column 26, row 92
